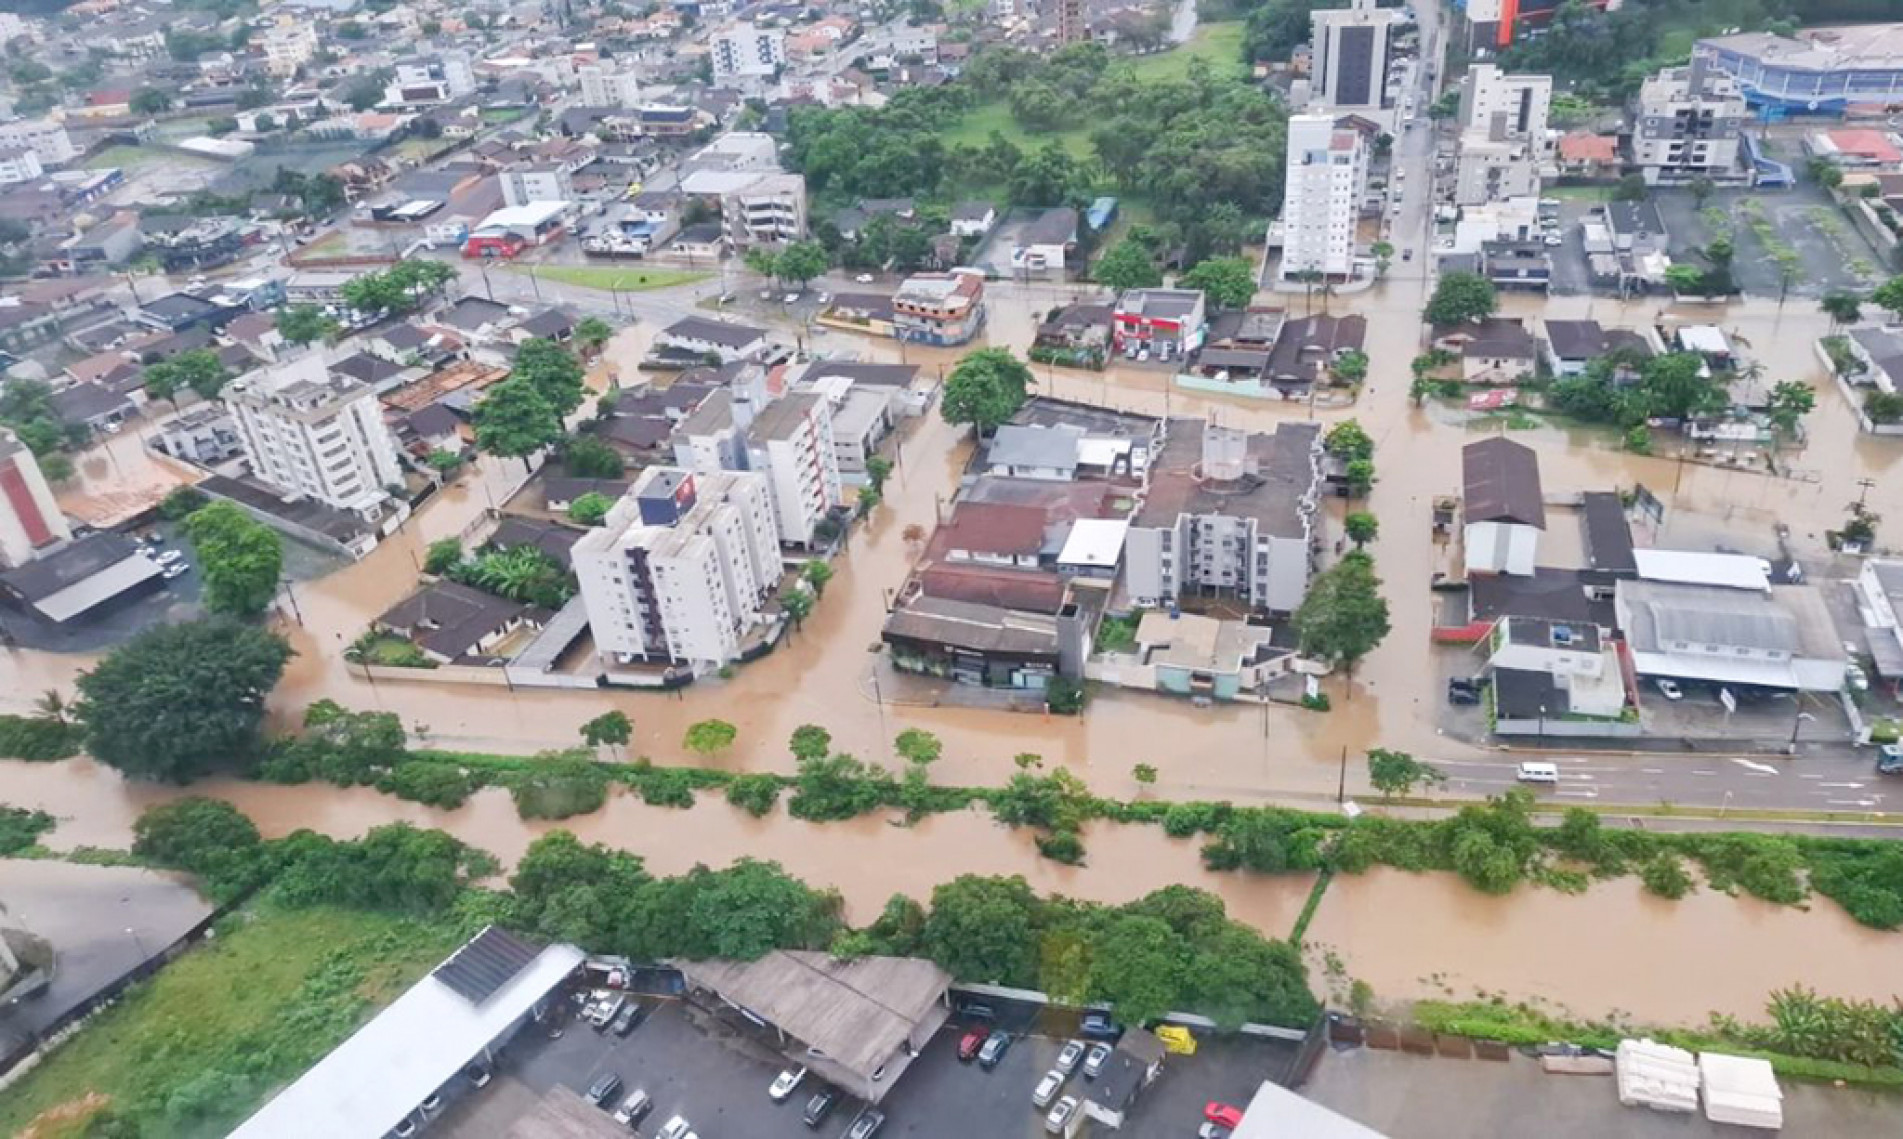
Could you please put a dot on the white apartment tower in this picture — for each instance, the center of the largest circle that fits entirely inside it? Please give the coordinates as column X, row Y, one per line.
column 30, row 521
column 604, row 86
column 682, row 568
column 788, row 440
column 744, row 51
column 311, row 433
column 47, row 140
column 1348, row 70
column 1327, row 173
column 1688, row 123
column 1502, row 106
column 288, row 45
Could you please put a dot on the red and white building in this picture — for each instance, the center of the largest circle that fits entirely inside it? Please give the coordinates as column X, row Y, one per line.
column 1170, row 324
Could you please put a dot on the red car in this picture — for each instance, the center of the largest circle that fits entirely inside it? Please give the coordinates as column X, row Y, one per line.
column 1226, row 1115
column 969, row 1044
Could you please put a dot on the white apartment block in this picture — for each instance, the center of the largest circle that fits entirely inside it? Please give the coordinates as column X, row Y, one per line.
column 288, row 45
column 1503, row 106
column 19, row 164
column 1349, row 56
column 1327, row 173
column 311, row 433
column 30, row 520
column 435, row 80
column 46, row 139
column 682, row 568
column 603, row 86
column 1686, row 124
column 767, row 210
column 791, row 442
column 536, row 184
column 744, row 51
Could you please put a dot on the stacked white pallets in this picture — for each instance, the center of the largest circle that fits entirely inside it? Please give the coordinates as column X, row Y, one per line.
column 1741, row 1090
column 1657, row 1076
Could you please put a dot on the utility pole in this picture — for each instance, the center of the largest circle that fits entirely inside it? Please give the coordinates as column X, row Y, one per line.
column 1341, row 783
column 1863, row 491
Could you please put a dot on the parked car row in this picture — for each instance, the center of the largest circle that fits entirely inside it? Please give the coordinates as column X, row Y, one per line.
column 476, row 1073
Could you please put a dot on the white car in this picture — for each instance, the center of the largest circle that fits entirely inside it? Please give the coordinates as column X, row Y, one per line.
column 1554, row 239
column 1068, row 1058
column 1093, row 1064
column 167, row 557
column 864, row 278
column 790, row 298
column 179, row 570
column 1669, row 689
column 1046, row 1089
column 785, row 1083
column 1857, row 678
column 1060, row 1115
column 675, row 1128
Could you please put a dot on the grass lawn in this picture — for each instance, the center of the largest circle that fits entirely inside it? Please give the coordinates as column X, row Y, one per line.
column 133, row 157
column 197, row 1048
column 976, row 125
column 1219, row 43
column 621, row 280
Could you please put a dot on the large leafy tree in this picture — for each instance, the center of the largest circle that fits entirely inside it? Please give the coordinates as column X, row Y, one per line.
column 198, row 370
column 197, row 835
column 1226, row 282
column 800, row 262
column 515, row 421
column 1461, row 297
column 1398, row 773
column 984, row 929
column 810, row 741
column 1127, row 266
column 1138, row 966
column 304, row 324
column 753, row 907
column 706, row 738
column 178, row 701
column 612, row 728
column 551, row 370
column 241, row 558
column 1344, row 615
column 1889, row 297
column 986, row 389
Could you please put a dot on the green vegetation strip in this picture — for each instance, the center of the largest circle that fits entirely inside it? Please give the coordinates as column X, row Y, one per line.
column 618, row 280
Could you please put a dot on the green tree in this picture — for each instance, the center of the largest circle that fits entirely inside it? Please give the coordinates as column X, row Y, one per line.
column 587, row 457
column 199, row 370
column 305, row 324
column 752, row 908
column 1348, row 441
column 1461, row 297
column 708, row 738
column 150, row 101
column 240, row 557
column 801, row 261
column 207, row 837
column 1791, row 401
column 1127, row 265
column 590, row 509
column 181, row 501
column 1065, row 696
column 1702, row 189
column 1144, row 773
column 515, row 421
column 810, row 741
column 442, row 556
column 1383, row 257
column 1344, row 615
column 1225, row 282
column 1351, row 367
column 520, row 573
column 611, row 727
column 1398, row 773
column 984, row 929
column 551, row 370
column 1842, row 307
column 918, row 746
column 816, row 573
column 1631, row 188
column 985, row 389
column 878, row 469
column 592, row 333
column 797, row 604
column 1137, row 965
column 1361, row 527
column 563, row 889
column 180, row 700
column 1889, row 297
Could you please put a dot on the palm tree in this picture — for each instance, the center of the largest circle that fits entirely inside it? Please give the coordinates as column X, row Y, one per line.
column 52, row 706
column 513, row 573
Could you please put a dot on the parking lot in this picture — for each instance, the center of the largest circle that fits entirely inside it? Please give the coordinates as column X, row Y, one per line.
column 717, row 1078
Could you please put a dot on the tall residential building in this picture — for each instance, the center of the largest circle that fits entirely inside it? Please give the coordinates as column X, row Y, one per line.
column 288, row 45
column 45, row 138
column 682, row 568
column 1228, row 514
column 1349, row 57
column 1327, row 173
column 745, row 51
column 1502, row 106
column 1070, row 22
column 766, row 209
column 789, row 440
column 314, row 433
column 1687, row 123
column 603, row 86
column 30, row 521
column 536, row 184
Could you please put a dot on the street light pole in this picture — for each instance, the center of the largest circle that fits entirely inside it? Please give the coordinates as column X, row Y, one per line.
column 1795, row 725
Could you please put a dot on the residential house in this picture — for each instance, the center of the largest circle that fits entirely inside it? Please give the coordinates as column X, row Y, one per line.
column 1504, row 510
column 453, row 623
column 1044, row 244
column 701, row 336
column 1570, row 345
column 1307, row 349
column 1034, row 452
column 1492, row 351
column 1583, row 154
column 940, row 308
column 973, row 219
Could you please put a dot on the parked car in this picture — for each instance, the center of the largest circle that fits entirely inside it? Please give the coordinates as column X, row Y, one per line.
column 1857, row 678
column 970, row 1043
column 1099, row 1025
column 1060, row 1115
column 1093, row 1063
column 606, row 1011
column 675, row 1128
column 633, row 1108
column 868, row 1122
column 432, row 1104
column 604, row 1088
column 977, row 1011
column 785, row 1083
column 1046, row 1089
column 820, row 1106
column 167, row 557
column 864, row 278
column 1669, row 688
column 1534, row 771
column 1223, row 1114
column 626, row 1020
column 1890, row 760
column 1212, row 1131
column 477, row 1074
column 176, row 570
column 1459, row 693
column 995, row 1046
column 790, row 298
column 1067, row 1059
column 404, row 1129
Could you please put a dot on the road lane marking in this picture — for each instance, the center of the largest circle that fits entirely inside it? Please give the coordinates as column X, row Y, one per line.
column 1756, row 768
column 1845, row 786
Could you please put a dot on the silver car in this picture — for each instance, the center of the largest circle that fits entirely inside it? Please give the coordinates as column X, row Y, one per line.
column 1068, row 1058
column 1093, row 1064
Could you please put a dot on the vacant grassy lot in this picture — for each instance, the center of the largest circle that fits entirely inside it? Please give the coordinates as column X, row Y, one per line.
column 1218, row 44
column 616, row 278
column 130, row 158
column 197, row 1048
column 976, row 125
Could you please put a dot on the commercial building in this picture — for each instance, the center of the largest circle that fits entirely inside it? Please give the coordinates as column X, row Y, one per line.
column 682, row 568
column 604, row 85
column 757, row 209
column 940, row 308
column 19, row 164
column 1168, row 323
column 1504, row 511
column 311, row 433
column 85, row 577
column 1782, row 638
column 1826, row 70
column 1349, row 56
column 743, row 51
column 465, row 1011
column 1491, row 24
column 1327, row 174
column 30, row 520
column 1687, row 123
column 1227, row 515
column 1879, row 588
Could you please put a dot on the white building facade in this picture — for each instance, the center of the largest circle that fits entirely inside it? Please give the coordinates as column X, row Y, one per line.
column 312, row 433
column 1327, row 174
column 30, row 520
column 1349, row 55
column 604, row 86
column 744, row 51
column 47, row 140
column 1688, row 123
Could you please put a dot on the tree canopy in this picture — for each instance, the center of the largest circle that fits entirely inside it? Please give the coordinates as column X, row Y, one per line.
column 986, row 389
column 240, row 557
column 1344, row 615
column 551, row 370
column 1461, row 297
column 198, row 370
column 514, row 420
column 1226, row 282
column 178, row 701
column 1127, row 265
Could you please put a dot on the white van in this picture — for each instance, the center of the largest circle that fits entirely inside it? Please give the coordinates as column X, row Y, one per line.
column 1538, row 773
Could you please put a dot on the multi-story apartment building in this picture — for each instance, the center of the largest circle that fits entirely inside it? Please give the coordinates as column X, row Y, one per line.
column 536, row 184
column 743, row 51
column 788, row 440
column 1228, row 514
column 1327, row 173
column 288, row 45
column 1349, row 55
column 19, row 164
column 602, row 85
column 767, row 209
column 940, row 308
column 1688, row 123
column 682, row 568
column 47, row 140
column 311, row 432
column 30, row 520
column 1505, row 106
column 420, row 82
